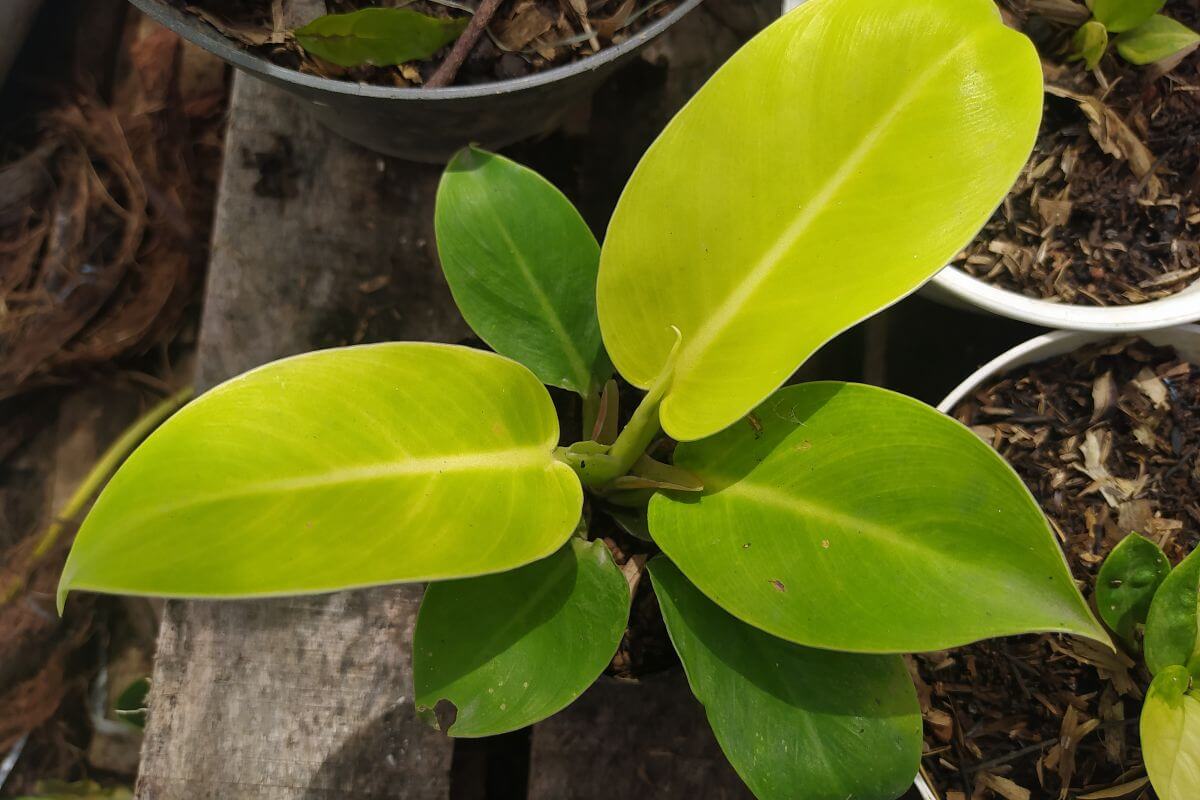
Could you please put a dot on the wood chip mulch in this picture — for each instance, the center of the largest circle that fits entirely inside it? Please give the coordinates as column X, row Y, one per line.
column 1107, row 440
column 1107, row 211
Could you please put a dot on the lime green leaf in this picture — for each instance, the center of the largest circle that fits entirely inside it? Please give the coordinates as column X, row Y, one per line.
column 1172, row 635
column 1127, row 581
column 522, row 265
column 1157, row 39
column 1170, row 728
column 1124, row 15
column 861, row 520
column 378, row 36
column 510, row 650
column 793, row 721
column 340, row 468
column 1089, row 43
column 827, row 170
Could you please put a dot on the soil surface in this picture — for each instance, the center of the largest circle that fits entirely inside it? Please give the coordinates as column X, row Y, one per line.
column 1107, row 211
column 1106, row 438
column 525, row 36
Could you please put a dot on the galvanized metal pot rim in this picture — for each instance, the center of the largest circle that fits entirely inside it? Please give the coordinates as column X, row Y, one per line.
column 203, row 35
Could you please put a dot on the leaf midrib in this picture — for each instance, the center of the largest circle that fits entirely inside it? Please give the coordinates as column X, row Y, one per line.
column 583, row 374
column 693, row 349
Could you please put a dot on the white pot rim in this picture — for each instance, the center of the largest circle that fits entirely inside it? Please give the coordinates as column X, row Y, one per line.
column 1166, row 312
column 1184, row 338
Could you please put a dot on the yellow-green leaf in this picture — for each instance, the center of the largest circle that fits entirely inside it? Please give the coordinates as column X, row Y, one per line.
column 1170, row 728
column 861, row 520
column 340, row 468
column 834, row 164
column 795, row 722
column 509, row 650
column 1159, row 38
column 378, row 36
column 1089, row 43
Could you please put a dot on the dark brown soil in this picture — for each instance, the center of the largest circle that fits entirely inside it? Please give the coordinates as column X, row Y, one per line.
column 1107, row 212
column 1106, row 438
column 525, row 36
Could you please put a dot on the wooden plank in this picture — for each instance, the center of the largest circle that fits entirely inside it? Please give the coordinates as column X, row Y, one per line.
column 316, row 243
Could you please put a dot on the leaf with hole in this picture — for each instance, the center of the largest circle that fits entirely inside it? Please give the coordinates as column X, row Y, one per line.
column 1170, row 730
column 522, row 265
column 861, row 520
column 794, row 721
column 1161, row 37
column 510, row 650
column 1172, row 635
column 378, row 36
column 1126, row 584
column 764, row 220
column 336, row 469
column 1124, row 15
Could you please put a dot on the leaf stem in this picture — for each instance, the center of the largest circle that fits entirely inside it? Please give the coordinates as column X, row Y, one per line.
column 97, row 476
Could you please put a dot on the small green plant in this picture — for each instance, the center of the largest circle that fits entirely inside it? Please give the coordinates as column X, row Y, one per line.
column 1142, row 35
column 809, row 535
column 378, row 36
column 1137, row 591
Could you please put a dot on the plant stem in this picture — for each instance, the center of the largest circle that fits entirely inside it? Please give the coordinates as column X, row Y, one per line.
column 591, row 411
column 97, row 476
column 448, row 70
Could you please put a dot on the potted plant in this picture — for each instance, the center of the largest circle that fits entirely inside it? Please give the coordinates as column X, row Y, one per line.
column 806, row 536
column 1103, row 432
column 346, row 67
column 1099, row 233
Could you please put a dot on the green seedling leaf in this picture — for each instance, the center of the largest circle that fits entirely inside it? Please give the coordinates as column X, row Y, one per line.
column 131, row 703
column 1127, row 582
column 1090, row 43
column 510, row 650
column 793, row 721
column 341, row 468
column 1171, row 627
column 825, row 182
column 1170, row 729
column 378, row 36
column 861, row 520
column 1161, row 37
column 522, row 265
column 1124, row 15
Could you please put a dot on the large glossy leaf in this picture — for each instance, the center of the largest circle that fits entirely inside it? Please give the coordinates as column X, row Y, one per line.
column 1158, row 38
column 1173, row 625
column 1128, row 579
column 1124, row 15
column 851, row 518
column 340, row 468
column 794, row 721
column 522, row 265
column 828, row 169
column 509, row 650
column 1170, row 729
column 378, row 36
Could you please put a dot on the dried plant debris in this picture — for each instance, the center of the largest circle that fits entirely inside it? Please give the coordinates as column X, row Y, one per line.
column 522, row 37
column 1107, row 439
column 103, row 221
column 1107, row 211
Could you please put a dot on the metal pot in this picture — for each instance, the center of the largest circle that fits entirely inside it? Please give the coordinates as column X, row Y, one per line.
column 427, row 124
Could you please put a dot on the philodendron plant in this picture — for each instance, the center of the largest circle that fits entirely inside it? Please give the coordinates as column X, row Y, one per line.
column 809, row 535
column 1142, row 35
column 1138, row 592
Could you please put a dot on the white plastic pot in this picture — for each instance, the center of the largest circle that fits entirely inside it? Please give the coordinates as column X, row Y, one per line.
column 954, row 287
column 1184, row 338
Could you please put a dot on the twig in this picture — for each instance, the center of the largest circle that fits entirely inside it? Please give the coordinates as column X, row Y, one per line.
column 448, row 70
